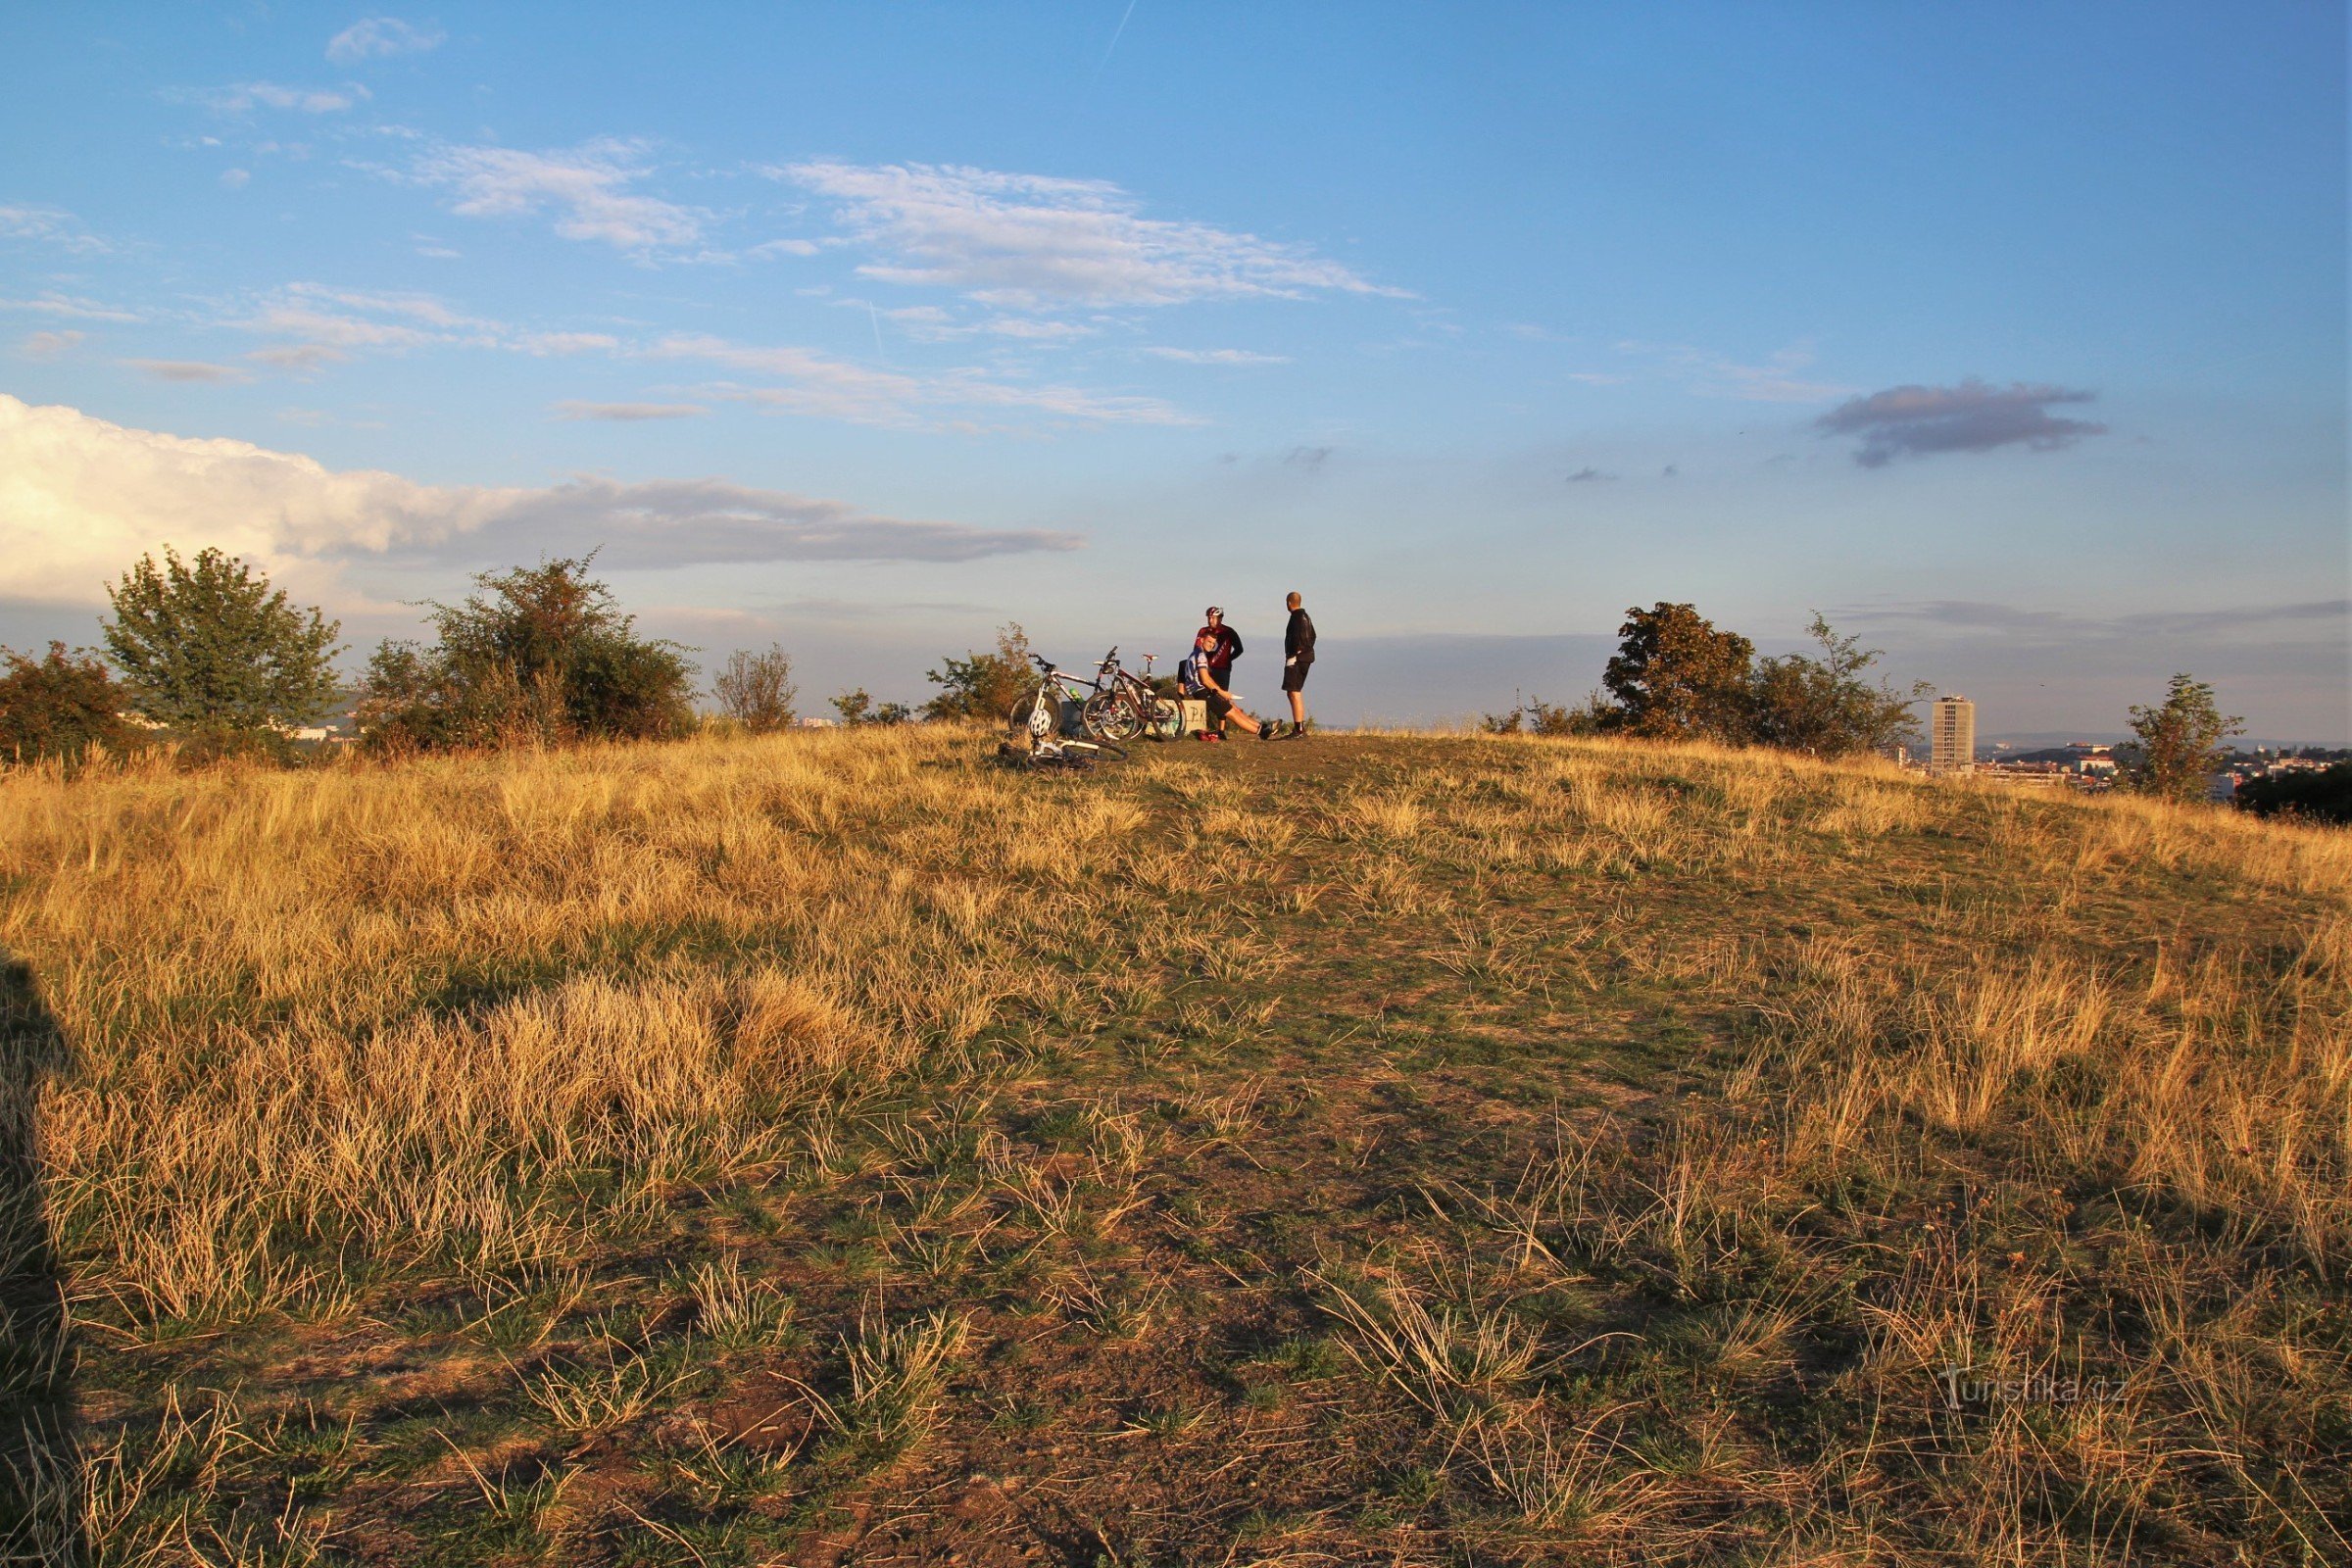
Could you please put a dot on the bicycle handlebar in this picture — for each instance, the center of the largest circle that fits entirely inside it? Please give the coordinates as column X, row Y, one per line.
column 1040, row 661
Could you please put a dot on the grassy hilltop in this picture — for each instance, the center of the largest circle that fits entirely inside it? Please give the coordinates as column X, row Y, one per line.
column 831, row 1148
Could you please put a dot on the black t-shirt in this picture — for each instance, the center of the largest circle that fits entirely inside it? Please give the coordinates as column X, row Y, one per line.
column 1299, row 640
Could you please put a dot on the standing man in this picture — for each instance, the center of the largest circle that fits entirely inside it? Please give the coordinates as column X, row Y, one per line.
column 1227, row 646
column 1298, row 658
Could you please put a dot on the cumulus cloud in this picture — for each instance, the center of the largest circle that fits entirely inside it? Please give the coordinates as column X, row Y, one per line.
column 586, row 188
column 1973, row 417
column 1032, row 241
column 379, row 36
column 188, row 370
column 1217, row 357
column 49, row 225
column 80, row 499
column 49, row 345
column 815, row 383
column 628, row 413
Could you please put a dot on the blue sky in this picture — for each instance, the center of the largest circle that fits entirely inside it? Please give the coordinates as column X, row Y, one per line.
column 2012, row 337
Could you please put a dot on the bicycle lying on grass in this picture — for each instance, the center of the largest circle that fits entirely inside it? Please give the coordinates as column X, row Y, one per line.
column 1115, row 705
column 1056, row 755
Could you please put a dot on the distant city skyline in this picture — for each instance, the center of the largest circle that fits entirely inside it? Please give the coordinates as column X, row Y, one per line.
column 2013, row 340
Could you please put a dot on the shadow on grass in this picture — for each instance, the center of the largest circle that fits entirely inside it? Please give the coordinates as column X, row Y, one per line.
column 40, row 1459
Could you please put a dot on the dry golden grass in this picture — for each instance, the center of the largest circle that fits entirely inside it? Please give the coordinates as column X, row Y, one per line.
column 1768, row 1092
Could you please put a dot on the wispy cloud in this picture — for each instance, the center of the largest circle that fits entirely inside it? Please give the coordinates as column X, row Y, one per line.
column 2072, row 625
column 1588, row 474
column 86, row 496
column 1217, row 356
column 817, row 383
column 375, row 37
column 68, row 306
column 245, row 96
column 628, row 413
column 1973, row 417
column 930, row 323
column 1034, row 241
column 1712, row 374
column 189, row 370
column 586, row 188
column 50, row 225
column 49, row 345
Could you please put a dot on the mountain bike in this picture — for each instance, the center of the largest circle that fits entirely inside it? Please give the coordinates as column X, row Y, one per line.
column 1039, row 712
column 1124, row 704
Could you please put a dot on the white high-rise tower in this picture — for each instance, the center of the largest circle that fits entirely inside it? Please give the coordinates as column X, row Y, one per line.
column 1952, row 736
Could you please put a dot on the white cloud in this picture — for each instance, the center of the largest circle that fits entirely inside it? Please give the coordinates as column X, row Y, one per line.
column 585, row 187
column 188, row 370
column 81, row 499
column 50, row 225
column 68, row 306
column 1218, row 357
column 556, row 343
column 245, row 95
column 628, row 413
column 1710, row 374
column 818, row 384
column 236, row 179
column 1032, row 241
column 379, row 36
column 49, row 345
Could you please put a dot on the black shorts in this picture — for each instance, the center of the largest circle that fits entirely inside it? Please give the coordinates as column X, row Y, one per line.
column 1294, row 676
column 1218, row 706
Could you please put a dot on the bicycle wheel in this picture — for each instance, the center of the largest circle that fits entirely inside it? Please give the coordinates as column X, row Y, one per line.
column 1087, row 752
column 1111, row 717
column 1037, row 715
column 1167, row 719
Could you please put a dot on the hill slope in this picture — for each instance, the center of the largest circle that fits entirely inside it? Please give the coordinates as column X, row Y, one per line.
column 829, row 1148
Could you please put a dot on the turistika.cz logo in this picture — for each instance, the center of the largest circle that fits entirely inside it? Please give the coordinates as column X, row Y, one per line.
column 1962, row 1388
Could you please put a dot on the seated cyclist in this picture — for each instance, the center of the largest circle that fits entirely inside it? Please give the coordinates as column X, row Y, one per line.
column 1197, row 677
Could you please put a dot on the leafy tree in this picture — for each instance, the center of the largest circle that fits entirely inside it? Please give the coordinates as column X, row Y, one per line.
column 1675, row 676
column 209, row 649
column 1824, row 706
column 539, row 653
column 2316, row 795
column 757, row 690
column 984, row 686
column 858, row 708
column 2180, row 740
column 60, row 707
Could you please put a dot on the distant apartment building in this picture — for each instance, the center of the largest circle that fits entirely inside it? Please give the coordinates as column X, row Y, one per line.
column 1952, row 736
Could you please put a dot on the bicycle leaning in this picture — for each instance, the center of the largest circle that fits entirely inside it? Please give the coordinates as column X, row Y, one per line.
column 1117, row 705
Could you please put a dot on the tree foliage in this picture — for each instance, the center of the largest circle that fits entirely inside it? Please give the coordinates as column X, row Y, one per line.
column 984, row 686
column 60, row 708
column 757, row 690
column 539, row 653
column 211, row 649
column 859, row 707
column 1826, row 705
column 2180, row 740
column 1675, row 677
column 2314, row 795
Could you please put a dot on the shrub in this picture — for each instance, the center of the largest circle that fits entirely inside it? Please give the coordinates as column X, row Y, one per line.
column 859, row 707
column 984, row 686
column 540, row 653
column 757, row 690
column 211, row 649
column 60, row 708
column 1536, row 716
column 1824, row 706
column 2180, row 740
column 2322, row 795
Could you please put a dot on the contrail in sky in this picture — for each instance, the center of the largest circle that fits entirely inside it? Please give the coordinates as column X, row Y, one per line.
column 1117, row 34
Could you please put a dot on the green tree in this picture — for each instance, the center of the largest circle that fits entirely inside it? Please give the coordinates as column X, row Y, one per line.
column 1533, row 716
column 2180, row 740
column 984, row 686
column 1825, row 705
column 61, row 707
column 757, row 690
column 1675, row 676
column 211, row 649
column 2316, row 795
column 538, row 654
